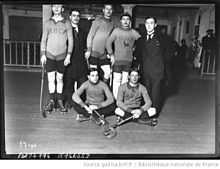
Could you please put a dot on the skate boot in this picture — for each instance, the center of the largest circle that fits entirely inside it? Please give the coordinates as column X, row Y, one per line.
column 50, row 106
column 63, row 110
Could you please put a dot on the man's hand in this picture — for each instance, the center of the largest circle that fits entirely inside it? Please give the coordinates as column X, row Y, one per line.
column 87, row 54
column 43, row 59
column 112, row 58
column 67, row 60
column 136, row 113
column 88, row 109
column 93, row 107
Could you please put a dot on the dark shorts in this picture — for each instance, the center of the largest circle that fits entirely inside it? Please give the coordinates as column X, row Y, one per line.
column 53, row 65
column 98, row 62
column 121, row 68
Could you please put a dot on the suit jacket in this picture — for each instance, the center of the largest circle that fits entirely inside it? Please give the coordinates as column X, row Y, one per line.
column 149, row 54
column 78, row 64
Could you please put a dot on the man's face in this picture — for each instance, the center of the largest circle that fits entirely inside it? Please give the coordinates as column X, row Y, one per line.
column 125, row 21
column 75, row 17
column 93, row 77
column 134, row 77
column 107, row 11
column 57, row 9
column 150, row 24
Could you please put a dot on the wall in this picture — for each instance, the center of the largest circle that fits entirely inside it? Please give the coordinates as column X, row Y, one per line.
column 207, row 19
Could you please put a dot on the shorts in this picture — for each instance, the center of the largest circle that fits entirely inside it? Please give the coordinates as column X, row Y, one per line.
column 121, row 68
column 98, row 62
column 54, row 65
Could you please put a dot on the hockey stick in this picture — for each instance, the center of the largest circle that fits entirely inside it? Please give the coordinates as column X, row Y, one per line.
column 41, row 92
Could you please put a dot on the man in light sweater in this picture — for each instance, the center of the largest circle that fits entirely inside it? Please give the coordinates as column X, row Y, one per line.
column 123, row 39
column 98, row 97
column 133, row 100
column 96, row 42
column 56, row 54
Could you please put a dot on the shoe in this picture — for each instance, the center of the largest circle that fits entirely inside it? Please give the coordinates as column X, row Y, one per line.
column 81, row 118
column 68, row 105
column 62, row 108
column 144, row 121
column 119, row 119
column 50, row 106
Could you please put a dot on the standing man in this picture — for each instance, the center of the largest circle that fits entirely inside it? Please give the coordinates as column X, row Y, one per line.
column 76, row 71
column 56, row 54
column 123, row 39
column 150, row 54
column 96, row 42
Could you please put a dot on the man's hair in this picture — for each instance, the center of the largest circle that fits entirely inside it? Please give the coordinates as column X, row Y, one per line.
column 133, row 69
column 61, row 10
column 93, row 70
column 73, row 9
column 151, row 17
column 125, row 14
column 106, row 5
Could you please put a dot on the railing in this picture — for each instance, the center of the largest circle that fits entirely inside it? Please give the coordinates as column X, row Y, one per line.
column 21, row 53
column 208, row 63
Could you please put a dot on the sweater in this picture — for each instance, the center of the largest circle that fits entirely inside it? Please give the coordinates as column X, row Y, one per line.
column 123, row 40
column 55, row 37
column 130, row 98
column 96, row 94
column 98, row 34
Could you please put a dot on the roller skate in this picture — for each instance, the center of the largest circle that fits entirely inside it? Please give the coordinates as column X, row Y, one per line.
column 49, row 107
column 62, row 109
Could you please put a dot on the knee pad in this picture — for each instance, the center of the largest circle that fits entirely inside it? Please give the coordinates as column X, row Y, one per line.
column 119, row 112
column 93, row 66
column 59, row 79
column 107, row 71
column 116, row 83
column 51, row 82
column 124, row 77
column 151, row 111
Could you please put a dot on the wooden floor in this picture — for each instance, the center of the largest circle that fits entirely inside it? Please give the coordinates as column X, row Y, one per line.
column 186, row 124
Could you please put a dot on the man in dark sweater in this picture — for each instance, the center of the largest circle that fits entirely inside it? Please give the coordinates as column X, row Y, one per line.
column 98, row 97
column 149, row 52
column 133, row 99
column 76, row 71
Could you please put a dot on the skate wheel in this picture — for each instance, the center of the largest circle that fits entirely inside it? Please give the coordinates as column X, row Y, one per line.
column 44, row 114
column 110, row 133
column 154, row 122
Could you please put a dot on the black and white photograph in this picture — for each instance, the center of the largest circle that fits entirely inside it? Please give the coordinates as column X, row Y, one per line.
column 95, row 80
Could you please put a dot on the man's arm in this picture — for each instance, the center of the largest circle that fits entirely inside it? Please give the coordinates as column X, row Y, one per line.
column 109, row 97
column 91, row 34
column 109, row 42
column 44, row 39
column 76, row 96
column 147, row 100
column 69, row 37
column 120, row 99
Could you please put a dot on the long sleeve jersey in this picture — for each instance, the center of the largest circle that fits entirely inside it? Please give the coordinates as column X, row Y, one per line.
column 123, row 40
column 55, row 37
column 96, row 94
column 129, row 97
column 98, row 34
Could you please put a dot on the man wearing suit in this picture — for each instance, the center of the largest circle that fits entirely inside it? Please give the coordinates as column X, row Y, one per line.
column 149, row 52
column 76, row 71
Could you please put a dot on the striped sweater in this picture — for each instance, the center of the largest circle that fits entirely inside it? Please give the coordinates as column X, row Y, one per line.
column 55, row 37
column 98, row 34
